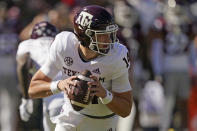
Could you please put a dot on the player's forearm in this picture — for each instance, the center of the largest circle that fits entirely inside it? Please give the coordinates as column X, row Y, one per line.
column 22, row 74
column 120, row 105
column 22, row 83
column 40, row 86
column 39, row 89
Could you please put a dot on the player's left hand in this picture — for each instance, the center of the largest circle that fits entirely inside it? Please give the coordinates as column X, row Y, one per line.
column 96, row 88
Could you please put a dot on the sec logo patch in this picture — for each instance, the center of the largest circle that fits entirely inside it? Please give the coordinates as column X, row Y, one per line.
column 68, row 61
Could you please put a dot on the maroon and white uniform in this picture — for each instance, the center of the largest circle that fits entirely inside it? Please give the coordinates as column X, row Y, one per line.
column 111, row 69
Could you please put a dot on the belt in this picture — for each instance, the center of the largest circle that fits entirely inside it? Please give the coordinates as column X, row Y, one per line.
column 100, row 117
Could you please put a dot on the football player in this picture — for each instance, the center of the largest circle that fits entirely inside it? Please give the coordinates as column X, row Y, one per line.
column 93, row 47
column 36, row 51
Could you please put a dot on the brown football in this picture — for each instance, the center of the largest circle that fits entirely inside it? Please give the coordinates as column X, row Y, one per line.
column 81, row 93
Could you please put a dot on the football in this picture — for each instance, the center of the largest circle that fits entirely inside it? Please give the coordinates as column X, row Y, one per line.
column 81, row 93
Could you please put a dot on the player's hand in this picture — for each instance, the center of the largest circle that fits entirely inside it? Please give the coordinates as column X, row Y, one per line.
column 26, row 109
column 96, row 89
column 67, row 85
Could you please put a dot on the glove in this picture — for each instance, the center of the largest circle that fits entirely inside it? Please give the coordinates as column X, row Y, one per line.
column 26, row 109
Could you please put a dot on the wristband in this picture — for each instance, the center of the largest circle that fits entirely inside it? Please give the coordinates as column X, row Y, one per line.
column 54, row 88
column 108, row 98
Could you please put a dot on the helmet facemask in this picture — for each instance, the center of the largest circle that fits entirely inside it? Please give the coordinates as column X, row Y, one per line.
column 101, row 41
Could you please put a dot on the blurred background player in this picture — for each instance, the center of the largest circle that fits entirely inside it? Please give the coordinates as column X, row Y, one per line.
column 31, row 55
column 171, row 63
column 151, row 106
column 192, row 103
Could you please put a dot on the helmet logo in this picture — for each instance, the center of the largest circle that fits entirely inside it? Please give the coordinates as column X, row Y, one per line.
column 84, row 19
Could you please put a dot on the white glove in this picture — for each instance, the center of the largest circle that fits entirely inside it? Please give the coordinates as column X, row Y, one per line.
column 26, row 109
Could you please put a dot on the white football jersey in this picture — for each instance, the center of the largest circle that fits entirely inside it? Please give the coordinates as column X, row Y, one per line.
column 112, row 69
column 38, row 50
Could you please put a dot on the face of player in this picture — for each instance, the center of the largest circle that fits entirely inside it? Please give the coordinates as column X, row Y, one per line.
column 103, row 40
column 103, row 43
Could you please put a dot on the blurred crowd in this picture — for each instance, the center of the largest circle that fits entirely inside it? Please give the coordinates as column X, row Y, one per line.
column 161, row 36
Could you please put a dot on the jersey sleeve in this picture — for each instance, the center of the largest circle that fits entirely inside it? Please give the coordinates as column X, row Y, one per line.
column 120, row 79
column 23, row 48
column 51, row 67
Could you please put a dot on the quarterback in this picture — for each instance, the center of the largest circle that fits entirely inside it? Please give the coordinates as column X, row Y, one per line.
column 93, row 46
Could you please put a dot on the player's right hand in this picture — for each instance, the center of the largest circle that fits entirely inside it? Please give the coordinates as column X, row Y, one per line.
column 66, row 84
column 26, row 109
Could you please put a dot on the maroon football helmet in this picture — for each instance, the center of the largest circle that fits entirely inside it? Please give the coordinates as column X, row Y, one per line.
column 43, row 29
column 92, row 21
